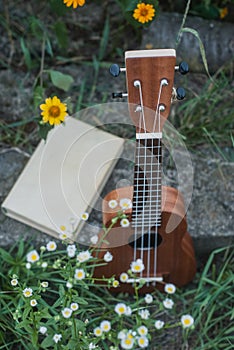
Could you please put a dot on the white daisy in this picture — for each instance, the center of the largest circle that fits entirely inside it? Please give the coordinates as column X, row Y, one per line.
column 57, row 338
column 125, row 203
column 159, row 324
column 69, row 285
column 142, row 330
column 128, row 311
column 115, row 283
column 71, row 250
column 97, row 331
column 33, row 302
column 148, row 298
column 143, row 342
column 44, row 264
column 108, row 257
column 168, row 303
column 84, row 256
column 123, row 277
column 28, row 266
column 42, row 330
column 121, row 335
column 74, row 306
column 105, row 326
column 32, row 256
column 63, row 236
column 187, row 321
column 127, row 343
column 94, row 239
column 144, row 314
column 44, row 284
column 85, row 216
column 51, row 246
column 27, row 292
column 170, row 288
column 120, row 308
column 66, row 312
column 124, row 222
column 79, row 274
column 14, row 282
column 137, row 266
column 112, row 203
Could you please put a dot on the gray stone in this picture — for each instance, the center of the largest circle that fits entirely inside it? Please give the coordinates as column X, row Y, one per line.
column 216, row 36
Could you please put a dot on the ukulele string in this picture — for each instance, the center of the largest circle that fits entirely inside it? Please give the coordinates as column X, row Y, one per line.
column 137, row 83
column 158, row 216
column 137, row 190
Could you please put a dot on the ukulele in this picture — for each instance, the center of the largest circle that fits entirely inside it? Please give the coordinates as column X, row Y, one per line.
column 156, row 229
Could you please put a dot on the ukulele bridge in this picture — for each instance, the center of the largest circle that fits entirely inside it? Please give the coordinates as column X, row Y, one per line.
column 147, row 279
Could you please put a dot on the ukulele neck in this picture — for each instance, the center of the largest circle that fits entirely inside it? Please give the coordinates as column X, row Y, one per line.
column 147, row 187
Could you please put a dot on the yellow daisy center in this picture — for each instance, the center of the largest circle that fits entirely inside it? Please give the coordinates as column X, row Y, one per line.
column 128, row 341
column 34, row 257
column 54, row 111
column 121, row 309
column 27, row 293
column 187, row 322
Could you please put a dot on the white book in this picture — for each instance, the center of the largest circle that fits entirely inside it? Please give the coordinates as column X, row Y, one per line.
column 64, row 177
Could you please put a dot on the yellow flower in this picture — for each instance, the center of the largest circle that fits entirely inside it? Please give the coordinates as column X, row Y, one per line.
column 53, row 111
column 223, row 12
column 74, row 3
column 144, row 13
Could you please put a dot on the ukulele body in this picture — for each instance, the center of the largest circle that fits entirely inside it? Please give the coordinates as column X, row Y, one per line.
column 175, row 258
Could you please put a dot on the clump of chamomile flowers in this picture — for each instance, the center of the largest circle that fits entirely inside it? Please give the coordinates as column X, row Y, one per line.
column 60, row 303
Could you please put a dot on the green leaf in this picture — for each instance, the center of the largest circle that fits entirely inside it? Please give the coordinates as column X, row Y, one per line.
column 47, row 342
column 104, row 40
column 60, row 30
column 26, row 52
column 43, row 130
column 202, row 49
column 38, row 96
column 6, row 256
column 61, row 80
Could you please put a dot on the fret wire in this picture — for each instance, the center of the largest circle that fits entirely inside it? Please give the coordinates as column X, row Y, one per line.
column 143, row 172
column 152, row 190
column 152, row 178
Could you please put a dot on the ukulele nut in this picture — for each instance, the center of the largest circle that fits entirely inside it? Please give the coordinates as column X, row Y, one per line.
column 138, row 108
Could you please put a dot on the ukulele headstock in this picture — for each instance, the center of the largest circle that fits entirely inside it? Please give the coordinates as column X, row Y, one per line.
column 150, row 77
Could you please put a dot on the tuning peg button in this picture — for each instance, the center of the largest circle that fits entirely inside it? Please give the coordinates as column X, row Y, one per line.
column 183, row 68
column 180, row 93
column 115, row 70
column 119, row 95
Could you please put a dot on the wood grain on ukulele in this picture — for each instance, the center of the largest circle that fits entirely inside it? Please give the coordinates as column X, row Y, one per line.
column 157, row 234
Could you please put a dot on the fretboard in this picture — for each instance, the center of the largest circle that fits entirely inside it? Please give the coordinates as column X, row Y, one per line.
column 146, row 211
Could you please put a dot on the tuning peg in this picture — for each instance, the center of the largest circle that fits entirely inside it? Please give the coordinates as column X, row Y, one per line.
column 180, row 93
column 115, row 70
column 183, row 68
column 119, row 95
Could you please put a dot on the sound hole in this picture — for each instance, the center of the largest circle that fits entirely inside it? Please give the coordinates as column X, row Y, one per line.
column 145, row 241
